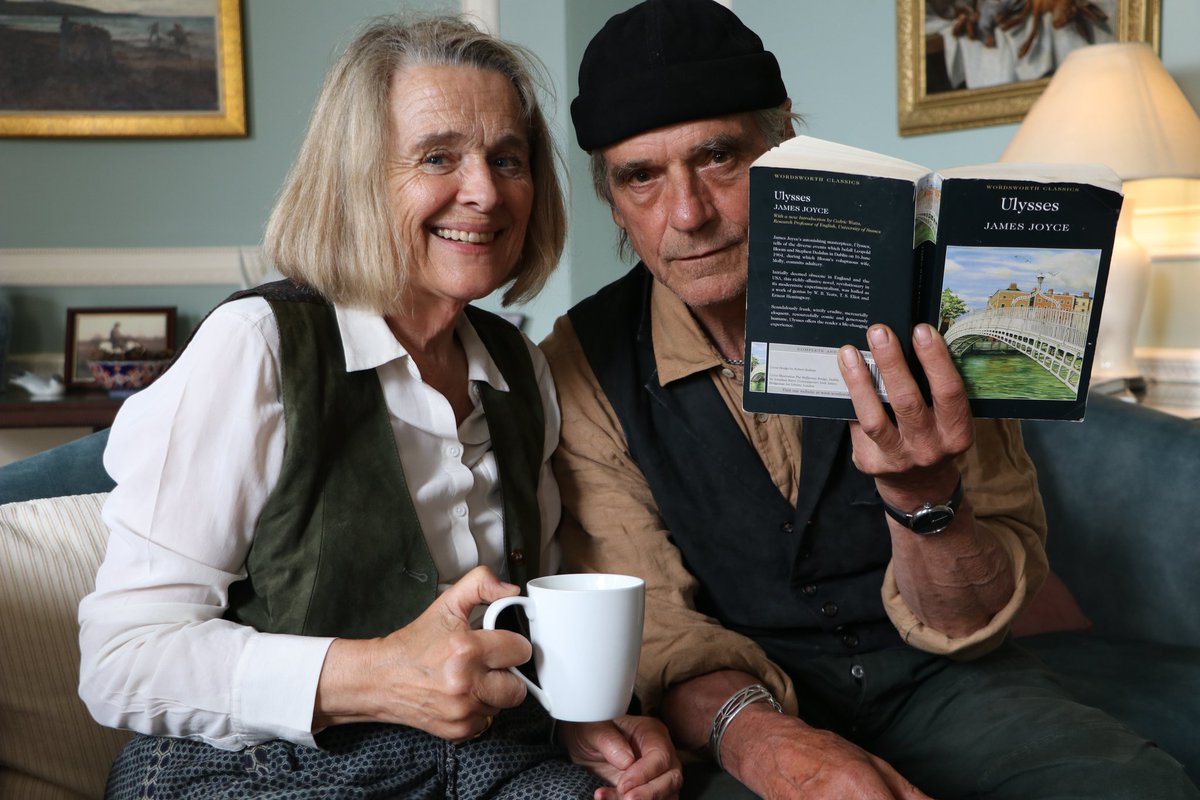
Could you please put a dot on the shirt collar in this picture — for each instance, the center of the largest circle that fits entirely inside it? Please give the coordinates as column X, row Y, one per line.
column 368, row 343
column 681, row 347
column 480, row 366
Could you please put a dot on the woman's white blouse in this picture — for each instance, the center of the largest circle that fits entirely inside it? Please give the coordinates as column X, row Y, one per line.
column 194, row 457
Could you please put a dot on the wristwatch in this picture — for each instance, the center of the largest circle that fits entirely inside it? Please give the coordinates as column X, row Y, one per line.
column 930, row 517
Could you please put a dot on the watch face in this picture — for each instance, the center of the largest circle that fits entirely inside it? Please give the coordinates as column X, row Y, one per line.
column 932, row 519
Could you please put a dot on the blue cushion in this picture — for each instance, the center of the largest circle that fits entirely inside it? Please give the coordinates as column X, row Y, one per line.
column 73, row 468
column 1122, row 509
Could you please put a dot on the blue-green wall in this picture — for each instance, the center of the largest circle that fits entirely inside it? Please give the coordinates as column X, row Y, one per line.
column 839, row 60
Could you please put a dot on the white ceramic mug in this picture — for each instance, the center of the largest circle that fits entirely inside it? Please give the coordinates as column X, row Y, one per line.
column 586, row 632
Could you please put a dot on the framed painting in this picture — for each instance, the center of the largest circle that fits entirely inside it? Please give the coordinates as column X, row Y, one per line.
column 115, row 334
column 968, row 63
column 121, row 68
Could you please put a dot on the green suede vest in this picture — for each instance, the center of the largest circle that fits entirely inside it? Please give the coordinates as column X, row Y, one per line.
column 338, row 549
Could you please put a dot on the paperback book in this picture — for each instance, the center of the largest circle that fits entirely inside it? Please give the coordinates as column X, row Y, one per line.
column 1008, row 261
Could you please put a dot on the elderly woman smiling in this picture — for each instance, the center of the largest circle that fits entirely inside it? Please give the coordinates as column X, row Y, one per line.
column 315, row 500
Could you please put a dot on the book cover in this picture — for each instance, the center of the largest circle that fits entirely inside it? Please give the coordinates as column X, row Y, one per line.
column 1008, row 261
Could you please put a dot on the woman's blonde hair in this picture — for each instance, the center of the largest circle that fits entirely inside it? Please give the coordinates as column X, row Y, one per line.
column 333, row 228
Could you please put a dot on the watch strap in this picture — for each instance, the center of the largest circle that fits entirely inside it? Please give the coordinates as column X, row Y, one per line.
column 911, row 520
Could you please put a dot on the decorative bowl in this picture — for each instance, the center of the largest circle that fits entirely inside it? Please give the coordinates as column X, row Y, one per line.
column 126, row 377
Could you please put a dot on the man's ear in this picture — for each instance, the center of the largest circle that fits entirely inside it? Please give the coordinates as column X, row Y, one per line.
column 788, row 131
column 618, row 218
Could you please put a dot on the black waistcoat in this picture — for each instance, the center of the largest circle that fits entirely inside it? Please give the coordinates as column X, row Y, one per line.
column 799, row 581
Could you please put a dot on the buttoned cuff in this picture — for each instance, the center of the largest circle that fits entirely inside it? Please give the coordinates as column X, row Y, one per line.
column 275, row 689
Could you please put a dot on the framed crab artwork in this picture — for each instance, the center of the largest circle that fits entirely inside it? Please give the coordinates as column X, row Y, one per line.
column 969, row 63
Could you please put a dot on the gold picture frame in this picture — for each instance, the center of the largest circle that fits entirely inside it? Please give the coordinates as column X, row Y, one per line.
column 102, row 74
column 922, row 110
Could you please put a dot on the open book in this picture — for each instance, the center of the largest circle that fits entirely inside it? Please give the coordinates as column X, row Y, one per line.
column 1007, row 260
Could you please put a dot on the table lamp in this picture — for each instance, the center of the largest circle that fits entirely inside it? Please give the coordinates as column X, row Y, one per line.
column 1115, row 104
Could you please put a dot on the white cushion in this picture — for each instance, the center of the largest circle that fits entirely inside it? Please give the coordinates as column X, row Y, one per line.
column 49, row 745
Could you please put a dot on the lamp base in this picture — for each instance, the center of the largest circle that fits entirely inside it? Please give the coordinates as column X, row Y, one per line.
column 1124, row 300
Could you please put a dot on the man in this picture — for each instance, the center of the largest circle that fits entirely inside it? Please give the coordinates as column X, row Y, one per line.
column 776, row 579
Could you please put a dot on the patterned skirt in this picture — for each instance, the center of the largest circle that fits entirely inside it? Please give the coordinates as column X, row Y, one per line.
column 513, row 759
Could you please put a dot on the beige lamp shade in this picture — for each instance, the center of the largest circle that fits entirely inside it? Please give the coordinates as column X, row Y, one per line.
column 1113, row 104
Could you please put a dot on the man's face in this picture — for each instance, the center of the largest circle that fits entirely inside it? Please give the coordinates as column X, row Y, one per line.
column 681, row 194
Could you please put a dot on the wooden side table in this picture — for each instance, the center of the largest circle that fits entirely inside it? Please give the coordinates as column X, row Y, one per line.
column 74, row 409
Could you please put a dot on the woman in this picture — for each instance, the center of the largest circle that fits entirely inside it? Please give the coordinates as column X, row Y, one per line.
column 313, row 502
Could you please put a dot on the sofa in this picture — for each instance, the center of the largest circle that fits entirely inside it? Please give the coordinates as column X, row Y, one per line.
column 1122, row 625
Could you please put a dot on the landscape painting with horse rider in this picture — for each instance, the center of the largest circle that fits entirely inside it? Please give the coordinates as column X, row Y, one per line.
column 108, row 55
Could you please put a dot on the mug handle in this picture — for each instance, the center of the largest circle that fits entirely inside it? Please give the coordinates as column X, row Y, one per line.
column 489, row 623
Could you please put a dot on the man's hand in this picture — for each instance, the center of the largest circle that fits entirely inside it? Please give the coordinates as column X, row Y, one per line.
column 912, row 459
column 956, row 580
column 779, row 756
column 634, row 754
column 435, row 673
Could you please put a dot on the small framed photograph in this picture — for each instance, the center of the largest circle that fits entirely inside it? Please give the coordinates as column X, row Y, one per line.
column 115, row 334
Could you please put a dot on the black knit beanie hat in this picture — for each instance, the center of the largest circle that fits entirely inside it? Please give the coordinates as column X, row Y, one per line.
column 668, row 61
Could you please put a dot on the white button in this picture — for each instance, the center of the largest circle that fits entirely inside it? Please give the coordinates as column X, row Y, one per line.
column 761, row 417
column 727, row 372
column 460, row 511
column 454, row 451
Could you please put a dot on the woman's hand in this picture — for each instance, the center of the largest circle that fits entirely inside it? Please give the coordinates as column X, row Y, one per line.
column 634, row 754
column 435, row 673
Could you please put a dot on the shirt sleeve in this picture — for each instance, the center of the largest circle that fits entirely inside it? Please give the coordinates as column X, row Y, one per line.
column 194, row 457
column 1001, row 482
column 611, row 524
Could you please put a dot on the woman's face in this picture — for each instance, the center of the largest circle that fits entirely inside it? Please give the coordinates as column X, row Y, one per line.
column 459, row 178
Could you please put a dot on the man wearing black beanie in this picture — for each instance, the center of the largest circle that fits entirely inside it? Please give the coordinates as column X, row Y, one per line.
column 801, row 625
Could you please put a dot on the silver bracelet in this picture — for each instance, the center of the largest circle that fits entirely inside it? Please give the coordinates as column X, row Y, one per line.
column 754, row 693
